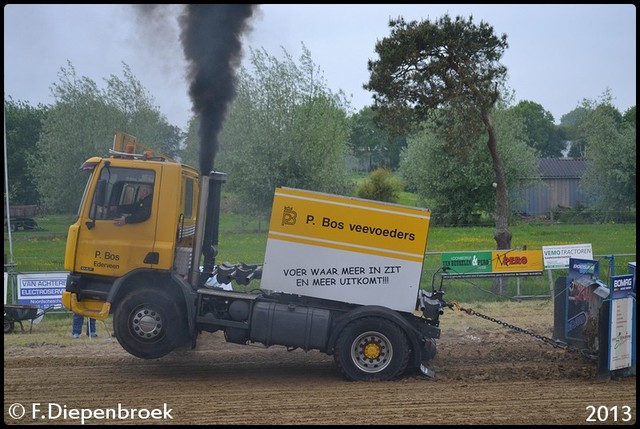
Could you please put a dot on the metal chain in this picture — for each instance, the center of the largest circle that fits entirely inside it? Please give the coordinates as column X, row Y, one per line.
column 547, row 340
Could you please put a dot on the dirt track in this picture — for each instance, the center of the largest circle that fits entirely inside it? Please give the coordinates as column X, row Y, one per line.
column 485, row 374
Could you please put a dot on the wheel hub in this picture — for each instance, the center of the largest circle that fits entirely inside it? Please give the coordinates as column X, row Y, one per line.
column 147, row 323
column 372, row 351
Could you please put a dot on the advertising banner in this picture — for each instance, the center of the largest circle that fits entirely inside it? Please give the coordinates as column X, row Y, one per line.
column 556, row 257
column 346, row 249
column 492, row 264
column 467, row 264
column 41, row 289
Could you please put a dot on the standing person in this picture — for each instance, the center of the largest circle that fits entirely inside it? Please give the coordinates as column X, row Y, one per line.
column 78, row 321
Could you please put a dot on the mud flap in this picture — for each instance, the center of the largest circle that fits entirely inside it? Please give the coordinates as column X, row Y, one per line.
column 427, row 372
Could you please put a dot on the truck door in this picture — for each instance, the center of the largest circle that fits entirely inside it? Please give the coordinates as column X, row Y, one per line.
column 106, row 244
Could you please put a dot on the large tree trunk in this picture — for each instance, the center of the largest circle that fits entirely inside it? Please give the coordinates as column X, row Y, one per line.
column 502, row 235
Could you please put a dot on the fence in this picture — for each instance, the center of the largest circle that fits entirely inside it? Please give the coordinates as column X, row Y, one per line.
column 512, row 288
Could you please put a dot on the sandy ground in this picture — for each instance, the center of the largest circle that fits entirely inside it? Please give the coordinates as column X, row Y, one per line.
column 485, row 374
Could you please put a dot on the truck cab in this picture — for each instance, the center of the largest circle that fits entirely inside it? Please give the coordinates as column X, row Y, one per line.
column 106, row 259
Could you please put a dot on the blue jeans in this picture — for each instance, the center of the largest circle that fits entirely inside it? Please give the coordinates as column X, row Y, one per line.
column 78, row 321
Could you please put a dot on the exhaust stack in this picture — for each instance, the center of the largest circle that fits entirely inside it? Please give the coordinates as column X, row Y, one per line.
column 207, row 228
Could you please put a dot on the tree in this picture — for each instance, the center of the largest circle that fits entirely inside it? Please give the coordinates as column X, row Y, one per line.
column 447, row 66
column 540, row 130
column 610, row 178
column 23, row 124
column 284, row 128
column 143, row 118
column 570, row 129
column 629, row 116
column 574, row 124
column 81, row 124
column 369, row 141
column 458, row 185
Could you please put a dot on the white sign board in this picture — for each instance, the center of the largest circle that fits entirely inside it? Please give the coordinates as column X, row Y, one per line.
column 555, row 257
column 621, row 333
column 345, row 249
column 41, row 289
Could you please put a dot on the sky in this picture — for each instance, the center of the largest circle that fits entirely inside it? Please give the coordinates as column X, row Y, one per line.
column 558, row 55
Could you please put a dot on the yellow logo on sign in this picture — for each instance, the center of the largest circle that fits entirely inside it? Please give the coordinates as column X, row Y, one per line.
column 349, row 224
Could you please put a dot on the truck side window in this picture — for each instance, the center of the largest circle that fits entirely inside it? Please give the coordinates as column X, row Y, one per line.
column 121, row 191
column 188, row 198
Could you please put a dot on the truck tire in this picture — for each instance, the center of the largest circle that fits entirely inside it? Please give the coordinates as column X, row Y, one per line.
column 149, row 324
column 372, row 349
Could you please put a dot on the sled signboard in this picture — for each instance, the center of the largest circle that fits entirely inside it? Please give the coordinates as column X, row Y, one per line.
column 347, row 249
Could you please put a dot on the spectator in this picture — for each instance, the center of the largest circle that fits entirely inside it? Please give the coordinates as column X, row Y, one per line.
column 78, row 321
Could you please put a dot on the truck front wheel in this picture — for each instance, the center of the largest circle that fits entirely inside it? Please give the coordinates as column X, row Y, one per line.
column 148, row 323
column 372, row 349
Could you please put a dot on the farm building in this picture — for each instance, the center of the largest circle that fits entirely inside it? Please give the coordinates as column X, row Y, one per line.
column 559, row 186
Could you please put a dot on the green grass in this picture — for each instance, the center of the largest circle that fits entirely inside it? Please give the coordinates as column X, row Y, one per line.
column 55, row 328
column 241, row 241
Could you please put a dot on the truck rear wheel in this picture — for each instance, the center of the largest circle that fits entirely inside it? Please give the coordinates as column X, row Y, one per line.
column 372, row 349
column 148, row 323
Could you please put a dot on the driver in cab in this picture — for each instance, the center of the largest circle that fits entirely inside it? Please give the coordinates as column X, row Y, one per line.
column 140, row 211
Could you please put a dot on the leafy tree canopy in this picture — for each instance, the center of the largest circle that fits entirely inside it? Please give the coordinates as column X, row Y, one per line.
column 540, row 131
column 458, row 186
column 448, row 71
column 610, row 146
column 373, row 145
column 23, row 124
column 285, row 128
column 445, row 64
column 82, row 122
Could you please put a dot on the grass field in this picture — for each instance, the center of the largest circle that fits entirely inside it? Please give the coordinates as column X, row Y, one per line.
column 241, row 241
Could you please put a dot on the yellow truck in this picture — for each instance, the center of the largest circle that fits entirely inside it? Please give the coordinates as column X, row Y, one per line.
column 341, row 275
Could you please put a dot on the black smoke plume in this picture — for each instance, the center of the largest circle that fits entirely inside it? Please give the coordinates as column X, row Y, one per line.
column 211, row 39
